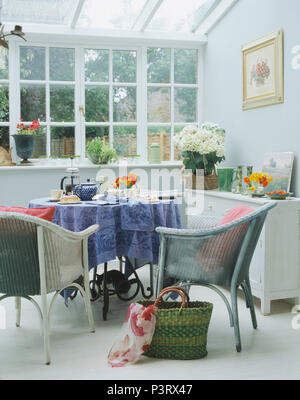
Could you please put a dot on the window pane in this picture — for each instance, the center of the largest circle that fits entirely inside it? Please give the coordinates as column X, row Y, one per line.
column 124, row 66
column 97, row 103
column 3, row 63
column 125, row 140
column 62, row 103
column 117, row 14
column 62, row 141
column 185, row 65
column 159, row 104
column 4, row 103
column 185, row 105
column 97, row 131
column 38, row 11
column 33, row 102
column 4, row 137
column 124, row 104
column 32, row 63
column 159, row 65
column 40, row 148
column 162, row 136
column 62, row 64
column 176, row 15
column 96, row 65
column 177, row 152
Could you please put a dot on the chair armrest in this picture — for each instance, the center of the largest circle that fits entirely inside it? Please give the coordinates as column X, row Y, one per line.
column 66, row 234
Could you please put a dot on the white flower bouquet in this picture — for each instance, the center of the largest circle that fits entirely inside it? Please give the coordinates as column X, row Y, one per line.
column 201, row 148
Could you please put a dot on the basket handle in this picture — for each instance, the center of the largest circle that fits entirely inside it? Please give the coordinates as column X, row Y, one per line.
column 179, row 290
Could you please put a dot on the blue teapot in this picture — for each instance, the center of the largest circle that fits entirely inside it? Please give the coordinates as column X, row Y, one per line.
column 86, row 191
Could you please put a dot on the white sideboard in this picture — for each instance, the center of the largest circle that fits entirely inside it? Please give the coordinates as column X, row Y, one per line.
column 275, row 267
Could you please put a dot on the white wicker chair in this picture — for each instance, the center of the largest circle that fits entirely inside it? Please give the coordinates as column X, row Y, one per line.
column 38, row 257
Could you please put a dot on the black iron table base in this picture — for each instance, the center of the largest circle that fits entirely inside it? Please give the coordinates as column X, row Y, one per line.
column 99, row 286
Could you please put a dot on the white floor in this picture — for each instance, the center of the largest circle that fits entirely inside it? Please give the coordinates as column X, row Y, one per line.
column 271, row 352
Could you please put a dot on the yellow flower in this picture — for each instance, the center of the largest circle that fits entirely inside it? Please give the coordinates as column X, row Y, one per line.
column 252, row 188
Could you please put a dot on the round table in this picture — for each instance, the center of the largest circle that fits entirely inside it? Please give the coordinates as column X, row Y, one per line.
column 126, row 229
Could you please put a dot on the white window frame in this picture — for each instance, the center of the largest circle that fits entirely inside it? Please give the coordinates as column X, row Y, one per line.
column 79, row 83
column 6, row 82
column 172, row 85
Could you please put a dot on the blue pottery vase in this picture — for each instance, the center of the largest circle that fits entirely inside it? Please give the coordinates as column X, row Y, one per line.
column 24, row 147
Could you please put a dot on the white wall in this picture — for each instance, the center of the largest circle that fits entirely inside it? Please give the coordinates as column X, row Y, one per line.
column 252, row 133
column 19, row 185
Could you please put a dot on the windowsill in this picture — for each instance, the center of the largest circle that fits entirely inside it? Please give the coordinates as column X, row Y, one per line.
column 48, row 166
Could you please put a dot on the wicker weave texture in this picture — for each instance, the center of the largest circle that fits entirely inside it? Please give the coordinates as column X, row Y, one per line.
column 19, row 260
column 180, row 333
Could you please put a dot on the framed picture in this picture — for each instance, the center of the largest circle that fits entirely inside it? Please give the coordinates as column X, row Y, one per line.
column 280, row 167
column 263, row 71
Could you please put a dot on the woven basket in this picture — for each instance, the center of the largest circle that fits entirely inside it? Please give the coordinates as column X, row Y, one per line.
column 211, row 181
column 181, row 328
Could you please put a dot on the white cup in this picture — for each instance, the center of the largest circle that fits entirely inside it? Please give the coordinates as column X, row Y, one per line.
column 56, row 194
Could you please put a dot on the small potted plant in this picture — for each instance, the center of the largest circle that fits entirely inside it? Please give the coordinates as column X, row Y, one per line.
column 24, row 139
column 100, row 152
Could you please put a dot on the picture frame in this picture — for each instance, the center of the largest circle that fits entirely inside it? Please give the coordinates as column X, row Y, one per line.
column 280, row 166
column 263, row 81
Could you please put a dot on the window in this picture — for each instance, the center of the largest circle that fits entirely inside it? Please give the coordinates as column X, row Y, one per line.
column 4, row 99
column 79, row 93
column 47, row 93
column 172, row 95
column 111, row 97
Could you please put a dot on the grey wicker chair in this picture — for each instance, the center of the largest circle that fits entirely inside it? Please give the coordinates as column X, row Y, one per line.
column 215, row 255
column 37, row 258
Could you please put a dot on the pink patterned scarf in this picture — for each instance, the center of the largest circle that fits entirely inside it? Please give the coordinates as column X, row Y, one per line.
column 135, row 337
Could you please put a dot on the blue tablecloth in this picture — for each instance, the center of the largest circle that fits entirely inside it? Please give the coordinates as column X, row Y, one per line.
column 126, row 229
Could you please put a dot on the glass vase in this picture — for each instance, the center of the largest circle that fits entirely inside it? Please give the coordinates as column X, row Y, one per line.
column 239, row 180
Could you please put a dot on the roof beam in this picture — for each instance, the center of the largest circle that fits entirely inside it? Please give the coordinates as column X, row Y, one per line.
column 146, row 15
column 64, row 34
column 203, row 12
column 217, row 14
column 76, row 13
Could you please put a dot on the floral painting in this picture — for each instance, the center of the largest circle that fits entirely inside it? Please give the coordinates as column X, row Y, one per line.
column 262, row 71
column 279, row 166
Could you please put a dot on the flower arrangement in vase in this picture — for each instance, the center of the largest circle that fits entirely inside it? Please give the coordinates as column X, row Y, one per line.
column 31, row 129
column 126, row 182
column 257, row 182
column 123, row 185
column 24, row 139
column 202, row 149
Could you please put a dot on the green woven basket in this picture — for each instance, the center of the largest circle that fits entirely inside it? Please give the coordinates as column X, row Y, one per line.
column 181, row 328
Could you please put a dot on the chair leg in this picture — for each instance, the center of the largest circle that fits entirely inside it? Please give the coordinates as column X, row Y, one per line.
column 18, row 310
column 86, row 297
column 246, row 294
column 234, row 304
column 251, row 303
column 46, row 334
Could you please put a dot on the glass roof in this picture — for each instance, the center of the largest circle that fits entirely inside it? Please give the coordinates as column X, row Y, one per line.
column 176, row 15
column 150, row 15
column 110, row 14
column 37, row 11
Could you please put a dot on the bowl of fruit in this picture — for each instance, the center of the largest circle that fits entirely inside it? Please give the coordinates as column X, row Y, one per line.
column 278, row 195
